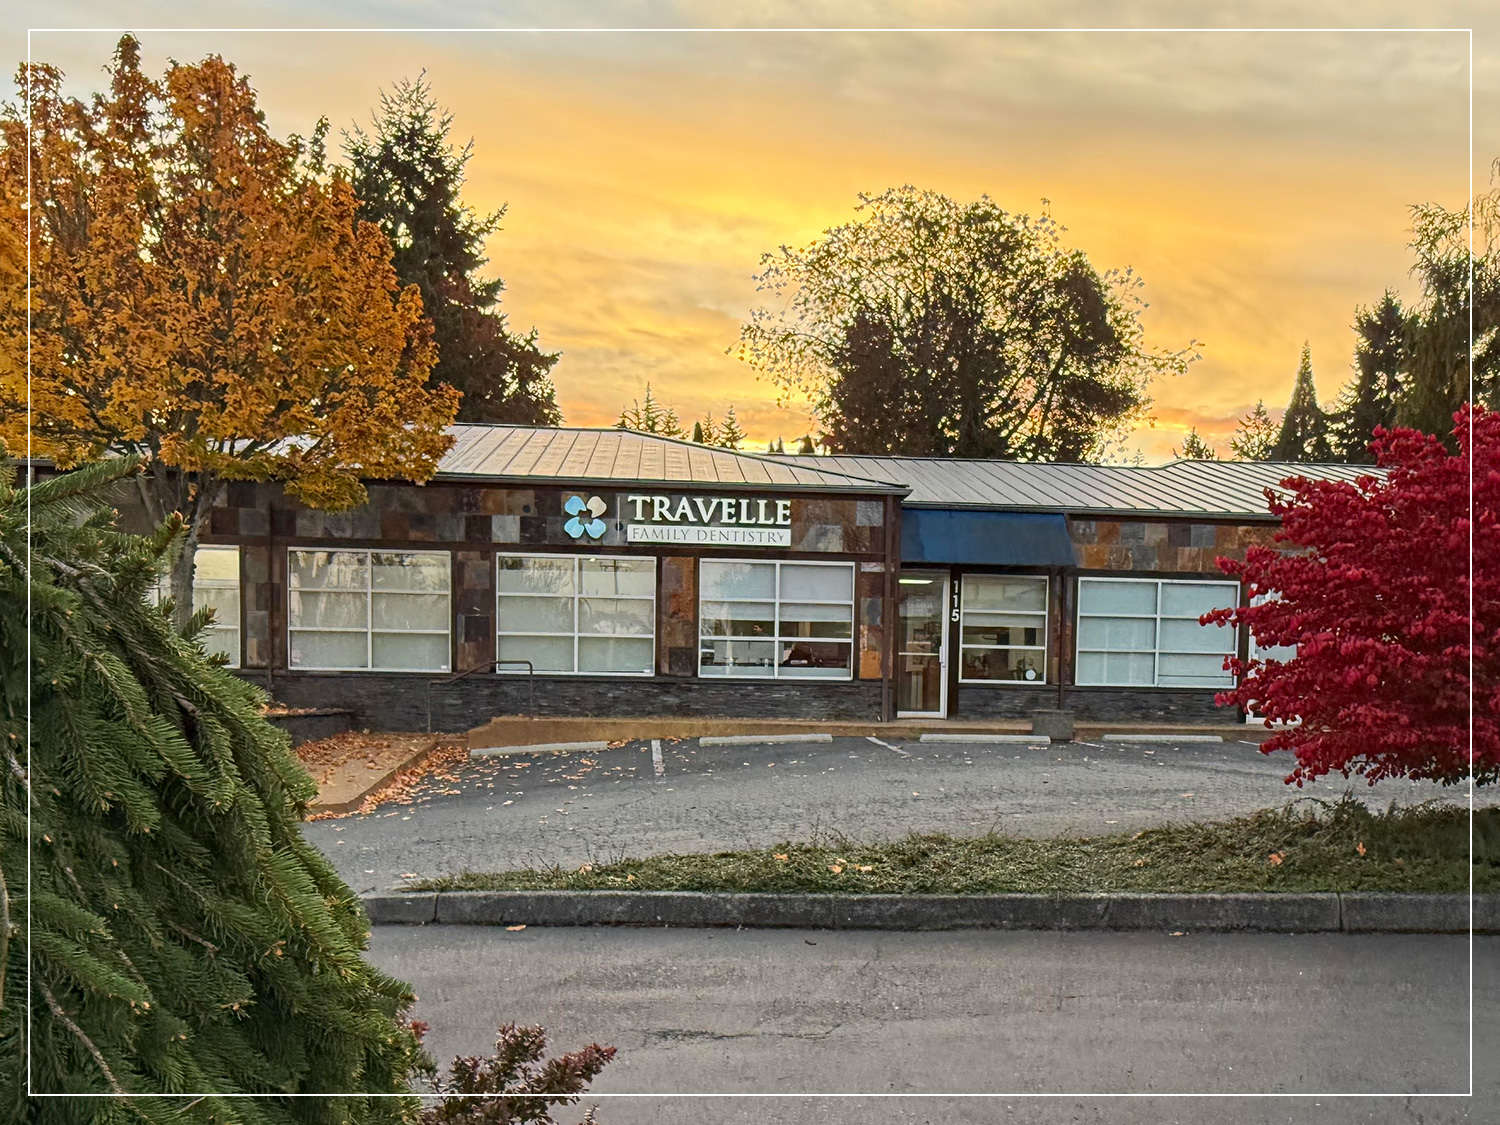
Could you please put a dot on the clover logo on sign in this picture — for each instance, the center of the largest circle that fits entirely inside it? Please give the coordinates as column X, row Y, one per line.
column 585, row 515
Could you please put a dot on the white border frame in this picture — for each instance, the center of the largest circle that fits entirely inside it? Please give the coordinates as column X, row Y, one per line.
column 776, row 639
column 369, row 630
column 577, row 596
column 1046, row 615
column 1156, row 618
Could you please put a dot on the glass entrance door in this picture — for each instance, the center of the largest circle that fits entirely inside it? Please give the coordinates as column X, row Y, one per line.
column 922, row 652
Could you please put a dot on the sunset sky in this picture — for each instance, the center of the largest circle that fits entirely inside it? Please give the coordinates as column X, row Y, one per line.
column 1258, row 181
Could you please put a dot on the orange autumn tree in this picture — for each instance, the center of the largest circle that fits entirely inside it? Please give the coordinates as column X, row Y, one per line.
column 202, row 294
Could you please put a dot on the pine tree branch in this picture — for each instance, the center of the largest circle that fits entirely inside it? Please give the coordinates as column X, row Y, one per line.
column 64, row 1019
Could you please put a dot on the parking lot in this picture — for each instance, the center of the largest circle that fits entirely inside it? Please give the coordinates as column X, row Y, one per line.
column 537, row 810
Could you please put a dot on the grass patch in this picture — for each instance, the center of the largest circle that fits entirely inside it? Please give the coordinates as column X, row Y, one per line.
column 1308, row 845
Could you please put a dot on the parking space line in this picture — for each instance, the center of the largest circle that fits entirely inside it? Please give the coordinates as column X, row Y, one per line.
column 656, row 763
column 887, row 745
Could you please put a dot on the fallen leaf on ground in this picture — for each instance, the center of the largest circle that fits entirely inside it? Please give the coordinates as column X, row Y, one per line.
column 835, row 868
column 1274, row 859
column 585, row 869
column 1360, row 847
column 513, row 929
column 864, row 867
column 781, row 857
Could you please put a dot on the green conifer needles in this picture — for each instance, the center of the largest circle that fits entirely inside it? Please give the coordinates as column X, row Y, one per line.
column 184, row 939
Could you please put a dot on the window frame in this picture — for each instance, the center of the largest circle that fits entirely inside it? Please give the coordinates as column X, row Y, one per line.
column 776, row 602
column 1156, row 618
column 163, row 591
column 1045, row 614
column 369, row 629
column 577, row 596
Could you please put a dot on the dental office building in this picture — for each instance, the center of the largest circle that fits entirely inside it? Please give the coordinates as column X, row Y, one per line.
column 606, row 572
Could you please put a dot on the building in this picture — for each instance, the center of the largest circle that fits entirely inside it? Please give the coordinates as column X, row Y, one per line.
column 606, row 572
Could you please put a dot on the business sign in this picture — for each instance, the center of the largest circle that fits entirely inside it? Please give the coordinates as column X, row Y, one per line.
column 708, row 521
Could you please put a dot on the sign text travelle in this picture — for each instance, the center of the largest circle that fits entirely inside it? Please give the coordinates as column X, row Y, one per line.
column 738, row 521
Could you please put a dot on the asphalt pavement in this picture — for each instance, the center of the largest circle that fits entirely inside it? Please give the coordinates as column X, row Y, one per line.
column 1041, row 1027
column 537, row 810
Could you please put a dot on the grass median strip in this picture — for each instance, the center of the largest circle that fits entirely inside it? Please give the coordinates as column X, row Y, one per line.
column 1308, row 845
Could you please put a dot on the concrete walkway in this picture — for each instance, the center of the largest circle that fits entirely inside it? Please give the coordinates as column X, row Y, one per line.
column 540, row 810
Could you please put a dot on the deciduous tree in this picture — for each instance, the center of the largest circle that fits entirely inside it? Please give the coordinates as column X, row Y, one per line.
column 932, row 327
column 203, row 294
column 1372, row 584
column 408, row 175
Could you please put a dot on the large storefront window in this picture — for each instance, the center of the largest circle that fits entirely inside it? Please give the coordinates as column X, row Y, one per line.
column 783, row 620
column 1003, row 628
column 378, row 611
column 216, row 584
column 1145, row 633
column 568, row 613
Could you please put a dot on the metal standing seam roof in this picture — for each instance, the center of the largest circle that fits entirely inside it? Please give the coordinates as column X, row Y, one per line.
column 1181, row 488
column 501, row 452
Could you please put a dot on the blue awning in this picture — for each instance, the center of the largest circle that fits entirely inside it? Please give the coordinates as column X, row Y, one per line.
column 945, row 535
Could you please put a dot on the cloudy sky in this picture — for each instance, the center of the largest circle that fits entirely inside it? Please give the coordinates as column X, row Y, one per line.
column 1259, row 181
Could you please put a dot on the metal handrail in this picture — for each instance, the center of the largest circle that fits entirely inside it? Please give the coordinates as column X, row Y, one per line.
column 488, row 666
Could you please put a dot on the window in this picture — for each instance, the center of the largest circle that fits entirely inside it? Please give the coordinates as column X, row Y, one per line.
column 776, row 620
column 378, row 611
column 216, row 583
column 1002, row 628
column 1145, row 632
column 586, row 613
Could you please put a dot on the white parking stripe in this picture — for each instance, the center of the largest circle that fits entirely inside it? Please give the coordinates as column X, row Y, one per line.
column 656, row 763
column 888, row 746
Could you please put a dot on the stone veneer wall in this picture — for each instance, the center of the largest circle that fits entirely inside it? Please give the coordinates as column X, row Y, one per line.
column 1163, row 546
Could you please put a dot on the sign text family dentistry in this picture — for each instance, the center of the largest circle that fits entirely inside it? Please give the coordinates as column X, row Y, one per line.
column 709, row 521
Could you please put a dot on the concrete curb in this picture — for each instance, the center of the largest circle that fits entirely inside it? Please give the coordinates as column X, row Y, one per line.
column 1262, row 913
column 1009, row 739
column 760, row 739
column 539, row 748
column 1161, row 738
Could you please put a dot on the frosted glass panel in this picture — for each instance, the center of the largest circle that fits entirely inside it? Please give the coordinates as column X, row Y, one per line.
column 410, row 611
column 1189, row 636
column 611, row 654
column 313, row 609
column 1193, row 671
column 1116, row 597
column 1001, row 592
column 737, row 619
column 411, row 651
column 629, row 617
column 618, row 576
column 1122, row 634
column 409, row 572
column 817, row 583
column 329, row 650
column 535, row 576
column 223, row 642
column 736, row 580
column 1114, row 668
column 547, row 654
column 217, row 564
column 1193, row 599
column 539, row 615
column 325, row 570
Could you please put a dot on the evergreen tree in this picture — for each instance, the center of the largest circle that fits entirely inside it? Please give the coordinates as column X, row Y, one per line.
column 1370, row 398
column 1304, row 427
column 730, row 434
column 709, row 429
column 1255, row 436
column 698, row 433
column 1194, row 448
column 806, row 448
column 649, row 416
column 184, row 938
column 408, row 176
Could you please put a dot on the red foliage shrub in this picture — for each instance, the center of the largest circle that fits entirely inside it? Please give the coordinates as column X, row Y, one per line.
column 1373, row 586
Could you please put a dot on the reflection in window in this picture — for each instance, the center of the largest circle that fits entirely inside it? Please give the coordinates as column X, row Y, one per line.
column 776, row 620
